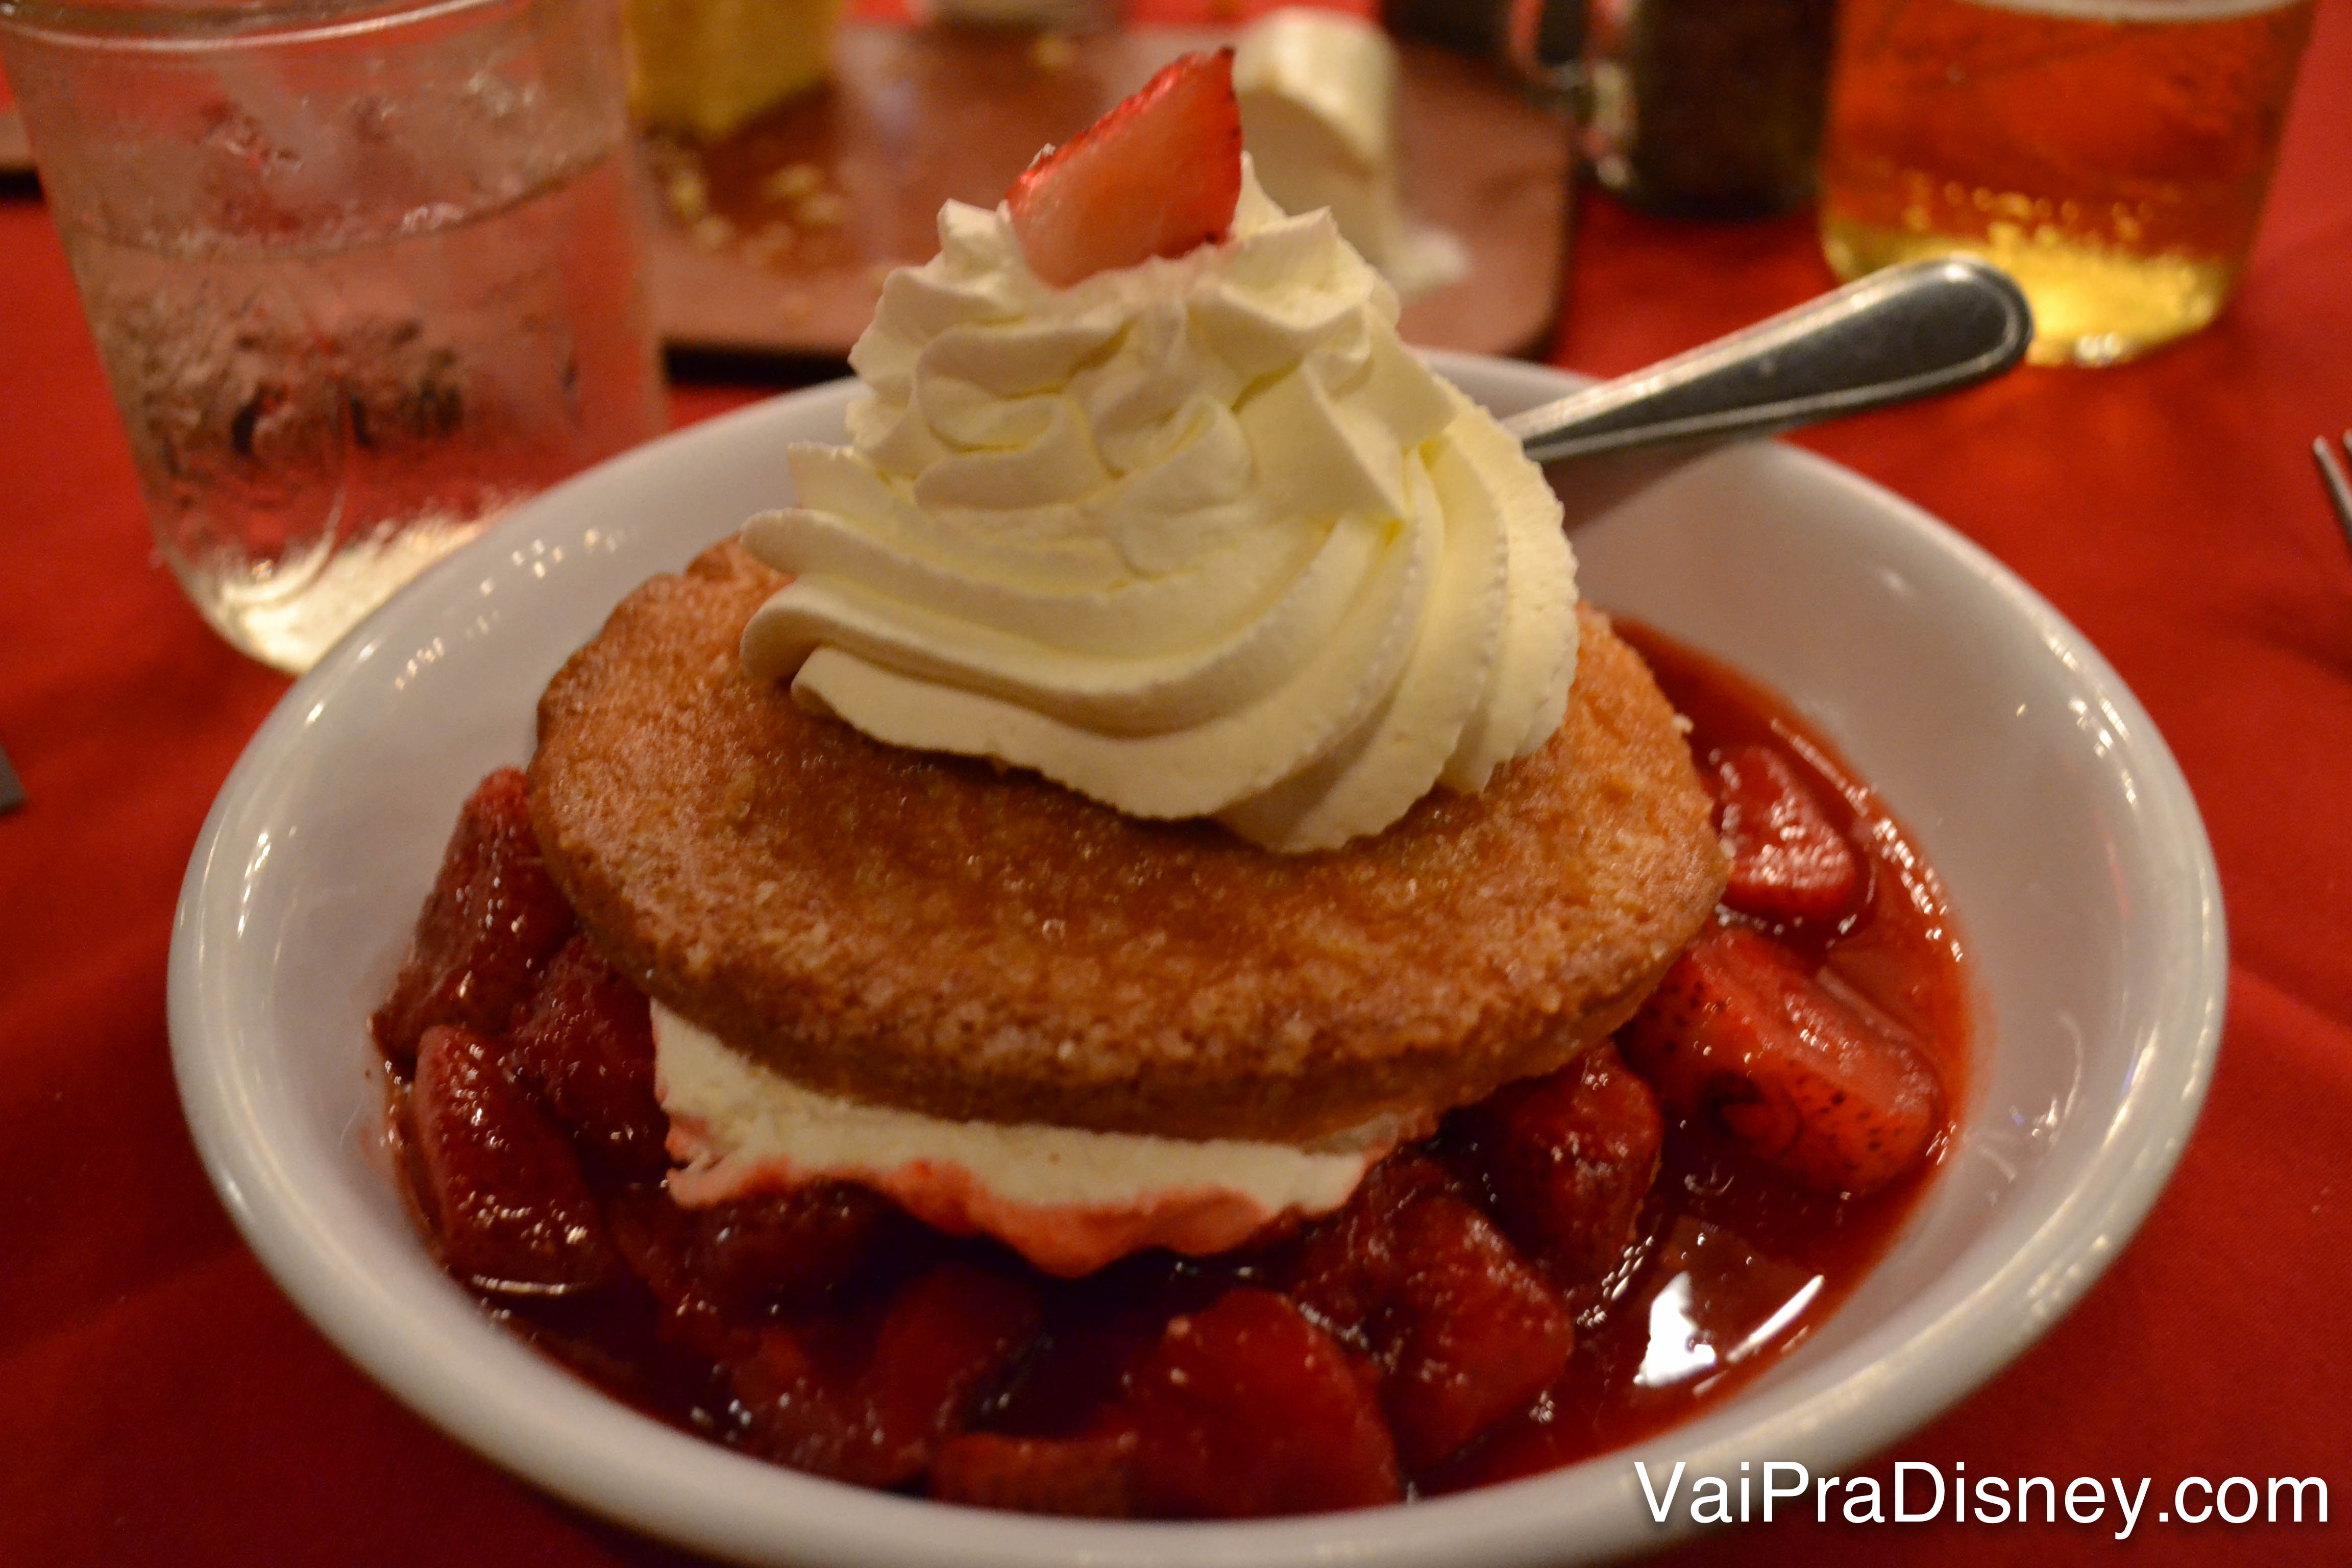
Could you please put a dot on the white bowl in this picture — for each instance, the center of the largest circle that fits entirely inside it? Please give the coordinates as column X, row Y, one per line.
column 2036, row 784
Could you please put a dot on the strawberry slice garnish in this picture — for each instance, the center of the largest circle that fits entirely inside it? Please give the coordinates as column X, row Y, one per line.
column 1740, row 1038
column 1788, row 861
column 1156, row 176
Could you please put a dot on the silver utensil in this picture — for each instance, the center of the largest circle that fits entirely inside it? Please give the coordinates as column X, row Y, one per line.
column 2332, row 475
column 1908, row 332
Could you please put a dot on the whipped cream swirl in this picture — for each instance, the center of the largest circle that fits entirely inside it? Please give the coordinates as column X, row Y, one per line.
column 1194, row 538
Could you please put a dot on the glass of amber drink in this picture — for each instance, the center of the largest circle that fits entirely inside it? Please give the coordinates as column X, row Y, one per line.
column 2112, row 154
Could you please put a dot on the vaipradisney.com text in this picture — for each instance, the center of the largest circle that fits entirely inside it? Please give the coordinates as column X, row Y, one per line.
column 1921, row 1493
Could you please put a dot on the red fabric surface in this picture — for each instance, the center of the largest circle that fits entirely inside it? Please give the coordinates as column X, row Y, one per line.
column 159, row 1401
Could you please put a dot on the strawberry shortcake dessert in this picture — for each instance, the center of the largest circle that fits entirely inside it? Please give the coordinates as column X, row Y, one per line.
column 1136, row 951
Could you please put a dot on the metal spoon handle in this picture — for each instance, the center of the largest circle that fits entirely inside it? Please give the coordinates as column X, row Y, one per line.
column 1907, row 332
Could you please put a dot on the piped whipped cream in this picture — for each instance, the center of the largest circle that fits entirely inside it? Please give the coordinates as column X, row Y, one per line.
column 1195, row 538
column 1317, row 90
column 1069, row 1199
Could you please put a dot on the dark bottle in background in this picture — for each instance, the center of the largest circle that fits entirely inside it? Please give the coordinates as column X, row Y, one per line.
column 1707, row 108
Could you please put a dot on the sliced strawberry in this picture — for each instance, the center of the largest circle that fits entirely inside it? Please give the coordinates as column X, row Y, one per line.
column 1479, row 1334
column 658, row 1240
column 1075, row 1477
column 720, row 1273
column 1246, row 1409
column 1349, row 1267
column 790, row 1246
column 1461, row 1328
column 1740, row 1037
column 492, row 918
column 1156, row 176
column 1096, row 1331
column 1566, row 1161
column 948, row 1338
column 585, row 1053
column 1788, row 861
column 792, row 1407
column 822, row 1396
column 511, row 1207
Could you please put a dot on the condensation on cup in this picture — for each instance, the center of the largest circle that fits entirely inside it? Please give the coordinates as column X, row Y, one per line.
column 2112, row 154
column 362, row 275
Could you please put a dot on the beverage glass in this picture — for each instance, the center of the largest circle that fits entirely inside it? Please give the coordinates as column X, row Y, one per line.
column 2112, row 154
column 362, row 274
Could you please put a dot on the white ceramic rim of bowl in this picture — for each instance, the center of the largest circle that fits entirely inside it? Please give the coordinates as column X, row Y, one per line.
column 549, row 1428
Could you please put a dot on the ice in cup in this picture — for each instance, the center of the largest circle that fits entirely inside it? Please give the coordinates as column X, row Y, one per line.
column 2112, row 155
column 361, row 276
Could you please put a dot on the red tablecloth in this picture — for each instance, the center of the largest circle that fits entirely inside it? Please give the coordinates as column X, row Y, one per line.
column 160, row 1402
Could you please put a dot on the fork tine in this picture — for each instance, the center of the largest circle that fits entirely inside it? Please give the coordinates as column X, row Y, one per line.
column 2332, row 475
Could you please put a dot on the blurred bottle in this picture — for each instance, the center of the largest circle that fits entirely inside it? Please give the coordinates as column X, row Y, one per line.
column 1708, row 108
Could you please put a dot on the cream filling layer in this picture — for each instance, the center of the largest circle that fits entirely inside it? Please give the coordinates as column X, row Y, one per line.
column 1067, row 1198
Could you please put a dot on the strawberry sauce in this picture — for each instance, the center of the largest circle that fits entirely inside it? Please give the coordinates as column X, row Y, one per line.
column 1575, row 1264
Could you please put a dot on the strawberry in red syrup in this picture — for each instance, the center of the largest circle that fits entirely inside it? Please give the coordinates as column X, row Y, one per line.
column 1788, row 861
column 658, row 1240
column 1082, row 1477
column 1156, row 176
column 717, row 1274
column 1246, row 1409
column 1425, row 1336
column 513, row 1211
column 585, row 1053
column 794, row 1247
column 493, row 919
column 1566, row 1161
column 874, row 1415
column 1478, row 1333
column 792, row 1405
column 1739, row 1035
column 1349, row 1267
column 946, row 1342
column 1461, row 1327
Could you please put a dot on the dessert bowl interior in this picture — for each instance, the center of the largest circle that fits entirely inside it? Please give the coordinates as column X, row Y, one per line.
column 2036, row 784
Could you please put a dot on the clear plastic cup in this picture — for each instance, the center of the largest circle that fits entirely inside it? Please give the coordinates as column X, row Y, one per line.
column 363, row 276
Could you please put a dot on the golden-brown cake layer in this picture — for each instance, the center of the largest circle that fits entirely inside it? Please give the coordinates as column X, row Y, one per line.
column 968, row 942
